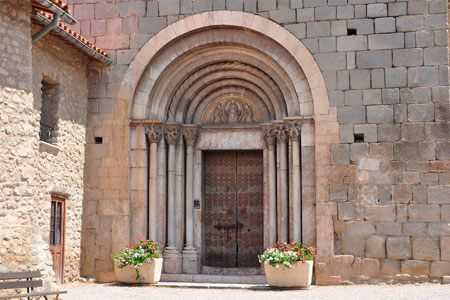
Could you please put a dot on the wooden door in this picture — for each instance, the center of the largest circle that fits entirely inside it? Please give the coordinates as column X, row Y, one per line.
column 233, row 208
column 57, row 235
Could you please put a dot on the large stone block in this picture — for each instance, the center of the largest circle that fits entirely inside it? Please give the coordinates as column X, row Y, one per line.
column 440, row 268
column 395, row 77
column 282, row 16
column 338, row 192
column 398, row 247
column 351, row 43
column 445, row 213
column 412, row 131
column 445, row 248
column 169, row 7
column 384, row 25
column 415, row 229
column 436, row 21
column 331, row 61
column 387, row 41
column 352, row 245
column 391, row 96
column 377, row 10
column 374, row 59
column 318, row 29
column 380, row 114
column 414, row 151
column 415, row 267
column 389, row 228
column 352, row 114
column 410, row 23
column 305, row 15
column 439, row 194
column 350, row 211
column 383, row 213
column 375, row 246
column 390, row 267
column 370, row 267
column 440, row 229
column 424, row 213
column 436, row 56
column 437, row 131
column 402, row 193
column 389, row 132
column 340, row 154
column 426, row 248
column 360, row 228
column 421, row 112
column 423, row 76
column 353, row 97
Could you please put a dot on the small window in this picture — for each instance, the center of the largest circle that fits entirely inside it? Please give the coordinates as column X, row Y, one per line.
column 359, row 137
column 351, row 31
column 49, row 110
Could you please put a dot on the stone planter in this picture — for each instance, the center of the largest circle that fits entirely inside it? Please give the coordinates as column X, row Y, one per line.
column 150, row 272
column 299, row 276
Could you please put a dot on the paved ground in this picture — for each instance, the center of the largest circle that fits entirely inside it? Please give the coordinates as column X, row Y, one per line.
column 89, row 291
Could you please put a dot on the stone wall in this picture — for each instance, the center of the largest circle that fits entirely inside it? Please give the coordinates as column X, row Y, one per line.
column 31, row 170
column 385, row 64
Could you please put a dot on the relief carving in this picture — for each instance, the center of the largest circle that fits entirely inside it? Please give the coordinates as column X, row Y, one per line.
column 232, row 110
column 154, row 133
column 172, row 133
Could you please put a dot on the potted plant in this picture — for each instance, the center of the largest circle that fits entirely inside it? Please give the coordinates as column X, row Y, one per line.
column 288, row 265
column 139, row 263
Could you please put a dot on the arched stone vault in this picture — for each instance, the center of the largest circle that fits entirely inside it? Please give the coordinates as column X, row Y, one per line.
column 198, row 60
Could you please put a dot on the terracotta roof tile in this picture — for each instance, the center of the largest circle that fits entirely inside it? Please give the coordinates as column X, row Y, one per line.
column 70, row 31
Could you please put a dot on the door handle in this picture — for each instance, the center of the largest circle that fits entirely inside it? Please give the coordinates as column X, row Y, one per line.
column 228, row 226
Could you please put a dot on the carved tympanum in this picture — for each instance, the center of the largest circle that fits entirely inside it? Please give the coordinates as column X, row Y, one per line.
column 232, row 110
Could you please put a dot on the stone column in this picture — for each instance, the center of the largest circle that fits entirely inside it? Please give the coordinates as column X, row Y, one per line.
column 270, row 138
column 172, row 257
column 283, row 214
column 191, row 257
column 294, row 135
column 154, row 133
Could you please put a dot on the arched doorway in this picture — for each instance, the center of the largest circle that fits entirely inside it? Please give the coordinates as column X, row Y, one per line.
column 227, row 81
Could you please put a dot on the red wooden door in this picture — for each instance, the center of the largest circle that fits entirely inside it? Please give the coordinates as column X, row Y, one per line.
column 233, row 208
column 57, row 235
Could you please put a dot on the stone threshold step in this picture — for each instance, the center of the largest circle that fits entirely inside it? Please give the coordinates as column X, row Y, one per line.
column 204, row 285
column 208, row 278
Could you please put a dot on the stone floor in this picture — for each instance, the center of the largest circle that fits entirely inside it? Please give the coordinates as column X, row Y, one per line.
column 90, row 291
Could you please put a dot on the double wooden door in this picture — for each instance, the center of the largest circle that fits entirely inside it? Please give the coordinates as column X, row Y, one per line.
column 233, row 190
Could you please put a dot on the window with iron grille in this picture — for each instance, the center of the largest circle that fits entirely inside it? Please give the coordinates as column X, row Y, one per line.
column 49, row 110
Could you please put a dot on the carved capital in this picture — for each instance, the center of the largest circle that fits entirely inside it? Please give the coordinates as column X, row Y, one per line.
column 295, row 132
column 154, row 133
column 190, row 133
column 268, row 133
column 281, row 132
column 172, row 133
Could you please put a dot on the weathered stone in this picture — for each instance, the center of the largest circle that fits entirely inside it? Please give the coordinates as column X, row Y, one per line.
column 408, row 150
column 374, row 59
column 351, row 43
column 439, row 194
column 380, row 114
column 398, row 247
column 376, row 10
column 391, row 96
column 426, row 248
column 386, row 41
column 441, row 229
column 382, row 213
column 424, row 213
column 415, row 229
column 445, row 248
column 423, row 76
column 415, row 267
column 375, row 245
column 318, row 29
column 390, row 267
column 360, row 228
column 352, row 245
column 350, row 211
column 370, row 267
column 353, row 97
column 389, row 132
column 338, row 192
column 410, row 23
column 389, row 228
column 395, row 77
column 340, row 154
column 412, row 131
column 439, row 268
column 401, row 193
column 352, row 114
column 384, row 25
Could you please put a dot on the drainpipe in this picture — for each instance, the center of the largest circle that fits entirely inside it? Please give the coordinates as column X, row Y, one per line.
column 46, row 28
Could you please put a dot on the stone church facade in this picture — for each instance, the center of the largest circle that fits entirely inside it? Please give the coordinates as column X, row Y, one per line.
column 223, row 126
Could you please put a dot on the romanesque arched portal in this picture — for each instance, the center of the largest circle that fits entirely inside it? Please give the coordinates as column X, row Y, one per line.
column 227, row 81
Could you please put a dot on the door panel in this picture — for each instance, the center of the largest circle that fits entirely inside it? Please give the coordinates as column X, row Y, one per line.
column 250, row 204
column 220, row 200
column 233, row 208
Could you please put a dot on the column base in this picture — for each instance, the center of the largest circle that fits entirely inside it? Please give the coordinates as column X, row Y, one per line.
column 172, row 261
column 191, row 261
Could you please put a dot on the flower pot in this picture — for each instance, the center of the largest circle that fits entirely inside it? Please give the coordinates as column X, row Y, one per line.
column 299, row 275
column 150, row 273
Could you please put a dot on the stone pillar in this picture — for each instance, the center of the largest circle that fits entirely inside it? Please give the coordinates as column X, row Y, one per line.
column 172, row 257
column 153, row 133
column 191, row 257
column 283, row 214
column 294, row 135
column 270, row 138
